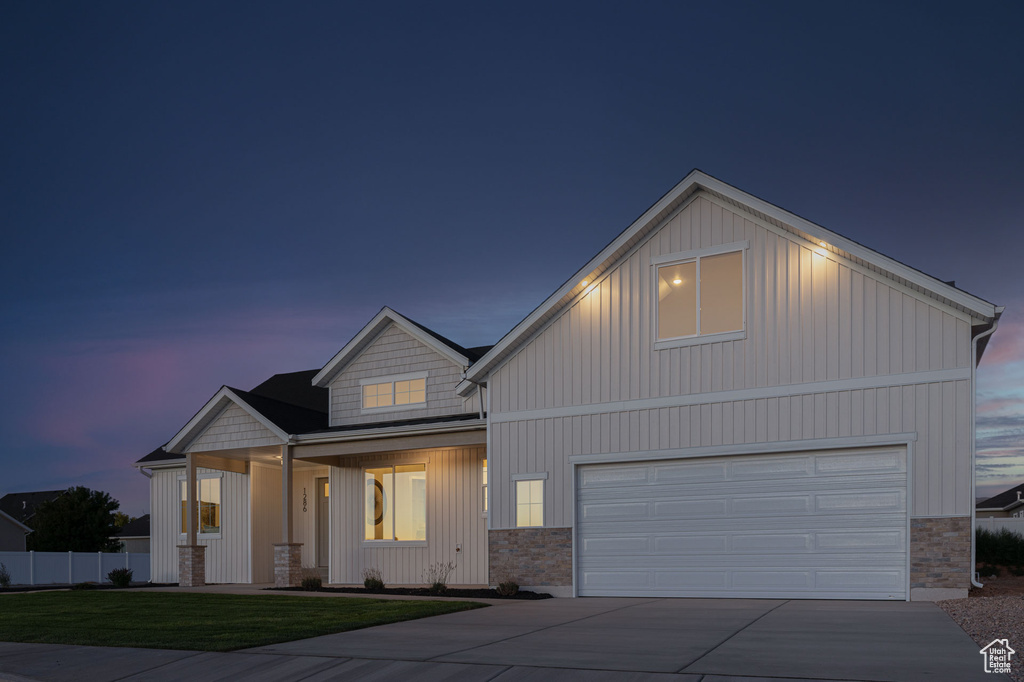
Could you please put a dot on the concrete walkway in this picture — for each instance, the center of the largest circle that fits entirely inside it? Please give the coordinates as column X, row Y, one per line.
column 684, row 640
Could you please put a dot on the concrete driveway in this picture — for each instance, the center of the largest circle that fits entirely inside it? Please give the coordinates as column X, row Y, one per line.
column 686, row 640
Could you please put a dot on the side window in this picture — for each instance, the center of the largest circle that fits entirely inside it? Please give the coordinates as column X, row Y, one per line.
column 208, row 489
column 392, row 393
column 529, row 502
column 483, row 485
column 700, row 294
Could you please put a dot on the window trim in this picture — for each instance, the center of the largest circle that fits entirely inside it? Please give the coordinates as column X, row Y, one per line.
column 392, row 378
column 426, row 507
column 200, row 477
column 695, row 255
column 539, row 476
column 485, row 475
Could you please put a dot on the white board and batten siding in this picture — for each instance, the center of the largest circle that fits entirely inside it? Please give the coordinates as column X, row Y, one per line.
column 809, row 525
column 832, row 350
column 394, row 352
column 227, row 556
column 454, row 517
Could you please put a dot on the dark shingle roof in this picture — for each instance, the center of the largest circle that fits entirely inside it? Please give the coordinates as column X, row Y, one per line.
column 295, row 388
column 23, row 506
column 472, row 354
column 288, row 417
column 159, row 455
column 1001, row 500
column 139, row 528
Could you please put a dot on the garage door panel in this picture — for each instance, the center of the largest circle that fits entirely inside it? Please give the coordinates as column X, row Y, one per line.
column 880, row 500
column 715, row 490
column 881, row 462
column 787, row 468
column 836, row 528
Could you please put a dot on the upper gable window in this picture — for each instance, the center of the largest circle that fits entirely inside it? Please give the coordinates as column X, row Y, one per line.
column 700, row 294
column 402, row 392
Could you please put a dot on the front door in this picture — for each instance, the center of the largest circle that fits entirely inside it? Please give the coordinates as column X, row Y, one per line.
column 323, row 494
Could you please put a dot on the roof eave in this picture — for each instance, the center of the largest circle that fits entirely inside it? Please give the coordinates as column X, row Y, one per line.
column 695, row 181
column 386, row 316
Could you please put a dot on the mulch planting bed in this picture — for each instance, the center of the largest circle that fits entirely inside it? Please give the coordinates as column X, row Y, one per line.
column 480, row 593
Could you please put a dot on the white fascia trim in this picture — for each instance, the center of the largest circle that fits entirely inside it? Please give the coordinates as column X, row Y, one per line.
column 218, row 403
column 780, row 391
column 163, row 464
column 373, row 434
column 693, row 182
column 541, row 476
column 816, row 444
column 481, row 368
column 981, row 307
column 15, row 522
column 374, row 326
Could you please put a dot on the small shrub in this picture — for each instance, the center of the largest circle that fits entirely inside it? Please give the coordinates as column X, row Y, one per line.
column 436, row 576
column 120, row 577
column 508, row 583
column 84, row 586
column 507, row 588
column 5, row 576
column 373, row 580
column 311, row 580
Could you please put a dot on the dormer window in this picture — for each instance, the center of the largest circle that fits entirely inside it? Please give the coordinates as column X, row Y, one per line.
column 400, row 392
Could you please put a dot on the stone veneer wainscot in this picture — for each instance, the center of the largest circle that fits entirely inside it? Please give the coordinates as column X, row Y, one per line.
column 940, row 555
column 537, row 557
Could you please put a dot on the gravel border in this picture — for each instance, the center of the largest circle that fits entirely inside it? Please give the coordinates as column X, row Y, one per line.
column 989, row 618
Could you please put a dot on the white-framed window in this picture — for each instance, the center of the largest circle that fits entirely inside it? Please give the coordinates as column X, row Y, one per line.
column 483, row 485
column 395, row 499
column 398, row 392
column 208, row 494
column 529, row 490
column 700, row 296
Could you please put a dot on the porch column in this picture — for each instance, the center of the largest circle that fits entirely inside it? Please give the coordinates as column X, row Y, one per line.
column 191, row 555
column 287, row 554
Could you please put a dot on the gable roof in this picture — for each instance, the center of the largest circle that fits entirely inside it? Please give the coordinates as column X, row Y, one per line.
column 655, row 216
column 22, row 506
column 1004, row 501
column 285, row 404
column 138, row 528
column 16, row 522
column 446, row 347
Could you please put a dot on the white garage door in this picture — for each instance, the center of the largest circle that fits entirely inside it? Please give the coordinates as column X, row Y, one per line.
column 800, row 525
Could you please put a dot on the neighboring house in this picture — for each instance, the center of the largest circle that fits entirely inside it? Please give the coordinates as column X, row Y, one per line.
column 134, row 536
column 727, row 401
column 23, row 506
column 1009, row 503
column 12, row 533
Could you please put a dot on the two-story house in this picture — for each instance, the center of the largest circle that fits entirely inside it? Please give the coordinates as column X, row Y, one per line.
column 727, row 401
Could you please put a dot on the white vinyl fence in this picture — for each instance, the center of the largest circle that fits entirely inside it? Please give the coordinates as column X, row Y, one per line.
column 48, row 568
column 994, row 524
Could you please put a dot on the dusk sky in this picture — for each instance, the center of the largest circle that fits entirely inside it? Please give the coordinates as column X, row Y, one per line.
column 198, row 194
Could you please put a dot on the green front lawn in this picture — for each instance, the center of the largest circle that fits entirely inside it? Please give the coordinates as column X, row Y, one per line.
column 208, row 622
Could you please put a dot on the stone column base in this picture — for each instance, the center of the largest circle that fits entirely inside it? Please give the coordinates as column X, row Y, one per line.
column 287, row 564
column 191, row 565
